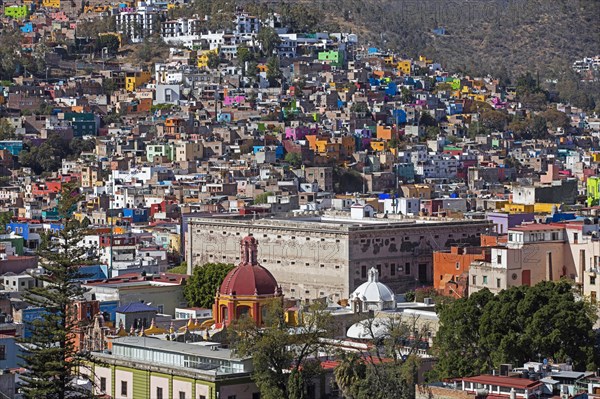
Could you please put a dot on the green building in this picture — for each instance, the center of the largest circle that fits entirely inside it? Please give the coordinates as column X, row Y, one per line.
column 17, row 12
column 334, row 58
column 159, row 150
column 13, row 240
column 83, row 123
column 593, row 190
column 144, row 367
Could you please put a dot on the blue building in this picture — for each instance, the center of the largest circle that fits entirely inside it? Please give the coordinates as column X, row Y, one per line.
column 9, row 352
column 27, row 27
column 93, row 272
column 136, row 215
column 109, row 310
column 279, row 150
column 13, row 146
column 405, row 171
column 399, row 116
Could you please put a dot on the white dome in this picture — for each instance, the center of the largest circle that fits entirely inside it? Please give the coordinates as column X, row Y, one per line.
column 362, row 330
column 373, row 291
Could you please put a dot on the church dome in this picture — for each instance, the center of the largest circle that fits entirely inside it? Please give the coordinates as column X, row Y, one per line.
column 374, row 292
column 249, row 278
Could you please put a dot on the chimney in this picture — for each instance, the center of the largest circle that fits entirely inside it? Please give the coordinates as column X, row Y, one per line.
column 549, row 266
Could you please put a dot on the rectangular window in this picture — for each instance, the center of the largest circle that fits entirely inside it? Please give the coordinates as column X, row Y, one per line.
column 592, row 280
column 181, row 395
column 102, row 384
column 407, row 268
column 484, row 280
column 363, row 272
column 474, row 280
column 497, row 283
column 159, row 393
column 123, row 388
column 499, row 259
column 393, row 269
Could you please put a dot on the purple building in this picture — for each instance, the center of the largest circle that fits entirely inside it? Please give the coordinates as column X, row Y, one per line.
column 504, row 221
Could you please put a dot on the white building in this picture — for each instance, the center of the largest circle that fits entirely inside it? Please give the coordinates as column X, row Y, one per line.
column 138, row 24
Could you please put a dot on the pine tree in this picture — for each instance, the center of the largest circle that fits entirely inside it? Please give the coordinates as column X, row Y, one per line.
column 52, row 361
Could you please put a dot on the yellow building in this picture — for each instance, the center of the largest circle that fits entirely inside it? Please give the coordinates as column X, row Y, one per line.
column 51, row 3
column 378, row 145
column 204, row 56
column 134, row 80
column 424, row 59
column 404, row 67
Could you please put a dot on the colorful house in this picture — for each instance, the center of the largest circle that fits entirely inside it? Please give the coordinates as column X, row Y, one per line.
column 204, row 56
column 332, row 57
column 404, row 67
column 51, row 3
column 593, row 190
column 16, row 12
column 134, row 80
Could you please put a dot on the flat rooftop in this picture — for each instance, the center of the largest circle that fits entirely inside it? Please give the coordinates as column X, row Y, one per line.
column 337, row 221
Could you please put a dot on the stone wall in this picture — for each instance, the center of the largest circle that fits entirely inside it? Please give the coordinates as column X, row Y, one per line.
column 311, row 259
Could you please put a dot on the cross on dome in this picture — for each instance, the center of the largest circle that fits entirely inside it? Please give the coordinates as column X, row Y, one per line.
column 373, row 275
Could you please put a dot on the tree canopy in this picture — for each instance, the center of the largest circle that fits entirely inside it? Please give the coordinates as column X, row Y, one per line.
column 52, row 361
column 382, row 372
column 479, row 333
column 284, row 362
column 205, row 280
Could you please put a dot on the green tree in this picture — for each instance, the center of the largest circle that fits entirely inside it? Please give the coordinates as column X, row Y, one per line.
column 214, row 60
column 360, row 107
column 382, row 372
column 51, row 361
column 556, row 118
column 200, row 288
column 262, row 198
column 108, row 41
column 181, row 269
column 526, row 83
column 5, row 218
column 294, row 159
column 482, row 331
column 244, row 55
column 274, row 73
column 283, row 361
column 268, row 40
column 494, row 120
column 7, row 131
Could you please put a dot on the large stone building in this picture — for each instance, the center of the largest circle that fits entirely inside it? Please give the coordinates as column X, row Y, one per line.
column 319, row 255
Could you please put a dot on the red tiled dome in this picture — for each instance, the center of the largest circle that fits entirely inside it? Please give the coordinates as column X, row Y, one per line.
column 248, row 279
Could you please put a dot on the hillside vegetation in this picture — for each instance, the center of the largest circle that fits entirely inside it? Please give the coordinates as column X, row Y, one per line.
column 482, row 36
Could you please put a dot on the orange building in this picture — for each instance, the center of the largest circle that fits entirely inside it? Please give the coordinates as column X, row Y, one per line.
column 451, row 267
column 386, row 132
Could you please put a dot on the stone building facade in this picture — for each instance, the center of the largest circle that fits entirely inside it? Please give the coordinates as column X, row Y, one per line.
column 315, row 256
